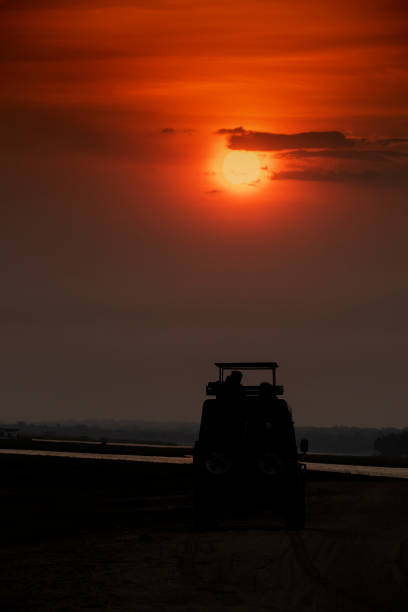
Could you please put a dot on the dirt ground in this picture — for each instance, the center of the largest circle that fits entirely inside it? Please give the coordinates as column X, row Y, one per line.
column 78, row 535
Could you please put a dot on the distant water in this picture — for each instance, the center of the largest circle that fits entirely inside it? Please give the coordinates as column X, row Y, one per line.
column 363, row 470
column 110, row 443
column 113, row 456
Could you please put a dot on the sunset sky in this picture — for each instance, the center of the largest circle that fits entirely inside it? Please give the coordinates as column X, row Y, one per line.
column 131, row 262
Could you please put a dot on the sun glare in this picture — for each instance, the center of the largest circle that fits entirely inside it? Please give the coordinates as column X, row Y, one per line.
column 241, row 167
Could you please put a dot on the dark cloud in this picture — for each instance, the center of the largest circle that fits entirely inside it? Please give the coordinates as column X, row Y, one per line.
column 321, row 150
column 238, row 130
column 316, row 174
column 170, row 130
column 372, row 155
column 392, row 141
column 213, row 191
column 239, row 138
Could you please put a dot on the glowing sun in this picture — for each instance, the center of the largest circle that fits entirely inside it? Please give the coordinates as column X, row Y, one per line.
column 241, row 167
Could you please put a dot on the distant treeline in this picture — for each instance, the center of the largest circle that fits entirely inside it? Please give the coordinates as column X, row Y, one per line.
column 394, row 444
column 114, row 430
column 339, row 439
column 347, row 440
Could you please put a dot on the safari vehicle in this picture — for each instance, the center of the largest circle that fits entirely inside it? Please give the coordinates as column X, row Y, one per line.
column 246, row 453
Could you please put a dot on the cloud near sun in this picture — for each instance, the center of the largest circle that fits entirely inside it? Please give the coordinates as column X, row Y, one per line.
column 324, row 155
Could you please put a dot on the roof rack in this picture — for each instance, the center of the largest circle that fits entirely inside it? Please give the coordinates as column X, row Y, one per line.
column 246, row 365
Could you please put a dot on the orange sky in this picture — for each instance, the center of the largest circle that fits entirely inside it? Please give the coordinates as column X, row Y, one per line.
column 115, row 199
column 108, row 77
column 268, row 65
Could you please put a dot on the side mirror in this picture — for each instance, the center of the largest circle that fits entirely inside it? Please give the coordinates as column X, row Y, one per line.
column 304, row 445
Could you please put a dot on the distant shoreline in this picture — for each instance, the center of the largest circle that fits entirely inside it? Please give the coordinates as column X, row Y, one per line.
column 151, row 449
column 98, row 447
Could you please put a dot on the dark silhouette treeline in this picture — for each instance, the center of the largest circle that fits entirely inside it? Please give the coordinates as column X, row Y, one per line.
column 106, row 429
column 393, row 444
column 338, row 439
column 346, row 440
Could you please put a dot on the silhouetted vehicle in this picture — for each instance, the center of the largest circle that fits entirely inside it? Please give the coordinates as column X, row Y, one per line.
column 246, row 453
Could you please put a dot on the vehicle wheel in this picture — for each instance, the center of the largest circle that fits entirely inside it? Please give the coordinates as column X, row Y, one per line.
column 295, row 519
column 295, row 506
column 205, row 515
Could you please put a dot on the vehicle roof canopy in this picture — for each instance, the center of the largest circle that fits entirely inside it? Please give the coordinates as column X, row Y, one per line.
column 247, row 365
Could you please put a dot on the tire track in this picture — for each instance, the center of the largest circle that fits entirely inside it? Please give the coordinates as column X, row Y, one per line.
column 307, row 564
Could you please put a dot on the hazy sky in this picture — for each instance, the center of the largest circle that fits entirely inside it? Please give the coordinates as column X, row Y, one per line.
column 130, row 262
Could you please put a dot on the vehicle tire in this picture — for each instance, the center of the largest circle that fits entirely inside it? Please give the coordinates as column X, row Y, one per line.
column 295, row 505
column 204, row 512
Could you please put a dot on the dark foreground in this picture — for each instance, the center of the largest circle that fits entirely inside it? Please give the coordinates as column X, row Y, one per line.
column 98, row 535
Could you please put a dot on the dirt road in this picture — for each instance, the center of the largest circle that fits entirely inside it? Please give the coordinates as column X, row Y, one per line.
column 352, row 556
